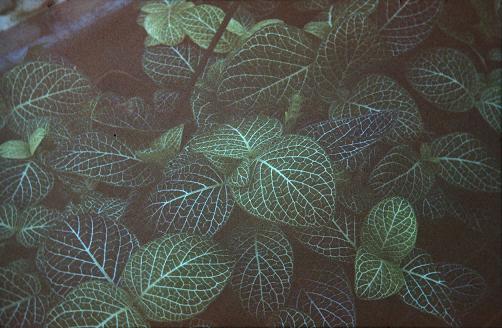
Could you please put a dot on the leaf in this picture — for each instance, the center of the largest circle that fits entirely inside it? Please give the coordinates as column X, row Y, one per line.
column 424, row 288
column 176, row 277
column 34, row 225
column 405, row 24
column 263, row 270
column 164, row 148
column 8, row 221
column 289, row 317
column 495, row 54
column 376, row 278
column 292, row 182
column 36, row 138
column 86, row 247
column 99, row 156
column 15, row 149
column 326, row 296
column 171, row 66
column 465, row 163
column 96, row 203
column 23, row 182
column 95, row 304
column 401, row 172
column 193, row 199
column 240, row 139
column 378, row 93
column 490, row 106
column 351, row 46
column 271, row 66
column 433, row 206
column 203, row 21
column 391, row 229
column 38, row 88
column 348, row 140
column 319, row 29
column 445, row 77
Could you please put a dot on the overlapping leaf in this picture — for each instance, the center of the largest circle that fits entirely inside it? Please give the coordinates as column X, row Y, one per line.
column 8, row 221
column 289, row 317
column 490, row 106
column 176, row 277
column 108, row 207
column 164, row 148
column 34, row 225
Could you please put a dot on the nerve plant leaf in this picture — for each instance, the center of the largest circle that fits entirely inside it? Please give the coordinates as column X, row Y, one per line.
column 263, row 270
column 34, row 225
column 164, row 148
column 401, row 172
column 348, row 140
column 378, row 93
column 23, row 182
column 84, row 247
column 8, row 221
column 376, row 278
column 464, row 162
column 391, row 229
column 95, row 304
column 96, row 203
column 289, row 317
column 425, row 289
column 269, row 67
column 405, row 24
column 20, row 304
column 101, row 157
column 445, row 77
column 15, row 149
column 193, row 199
column 40, row 88
column 490, row 106
column 176, row 277
column 292, row 181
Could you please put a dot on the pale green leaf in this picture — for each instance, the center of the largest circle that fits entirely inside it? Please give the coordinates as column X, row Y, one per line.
column 8, row 221
column 318, row 29
column 164, row 147
column 490, row 106
column 163, row 21
column 36, row 138
column 15, row 149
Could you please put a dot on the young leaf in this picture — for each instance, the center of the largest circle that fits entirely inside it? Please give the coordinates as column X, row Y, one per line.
column 176, row 277
column 490, row 106
column 34, row 225
column 163, row 148
column 99, row 156
column 36, row 138
column 464, row 162
column 15, row 149
column 391, row 229
column 292, row 182
column 445, row 77
column 8, row 221
column 96, row 304
column 376, row 278
column 85, row 247
column 263, row 270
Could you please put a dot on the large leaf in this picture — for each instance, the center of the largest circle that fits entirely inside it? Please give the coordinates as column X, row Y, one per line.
column 405, row 24
column 263, row 271
column 425, row 288
column 391, row 229
column 292, row 181
column 86, row 247
column 240, row 139
column 376, row 278
column 271, row 65
column 23, row 182
column 95, row 304
column 490, row 106
column 34, row 225
column 348, row 140
column 401, row 172
column 8, row 221
column 20, row 304
column 464, row 162
column 40, row 88
column 289, row 317
column 101, row 157
column 327, row 297
column 445, row 77
column 176, row 277
column 194, row 199
column 378, row 93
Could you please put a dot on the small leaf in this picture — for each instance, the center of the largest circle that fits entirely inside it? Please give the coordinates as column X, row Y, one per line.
column 490, row 106
column 36, row 138
column 15, row 149
column 8, row 221
column 164, row 148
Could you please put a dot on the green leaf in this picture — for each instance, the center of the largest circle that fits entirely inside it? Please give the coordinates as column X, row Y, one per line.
column 23, row 182
column 445, row 77
column 203, row 21
column 34, row 225
column 376, row 278
column 391, row 229
column 464, row 162
column 101, row 157
column 292, row 182
column 401, row 172
column 318, row 29
column 240, row 139
column 263, row 270
column 434, row 206
column 378, row 93
column 425, row 289
column 15, row 149
column 8, row 221
column 36, row 138
column 40, row 88
column 95, row 304
column 164, row 148
column 271, row 66
column 289, row 317
column 95, row 202
column 490, row 106
column 176, row 277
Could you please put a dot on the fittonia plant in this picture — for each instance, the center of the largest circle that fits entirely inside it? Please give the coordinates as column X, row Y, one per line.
column 303, row 174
